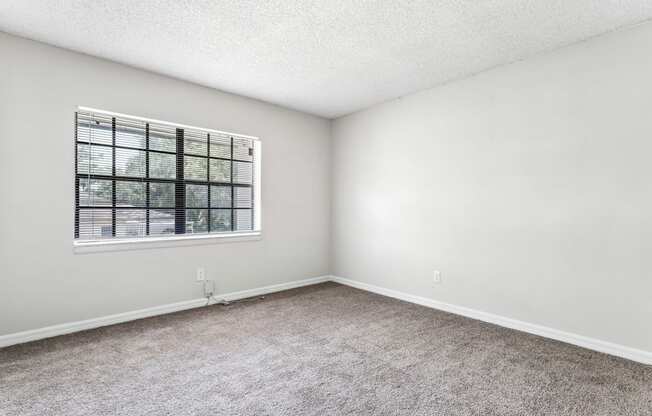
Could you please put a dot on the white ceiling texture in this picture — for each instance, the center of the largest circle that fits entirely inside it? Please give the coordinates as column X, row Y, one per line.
column 330, row 57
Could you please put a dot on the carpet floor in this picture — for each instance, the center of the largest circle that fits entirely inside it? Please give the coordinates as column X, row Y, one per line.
column 320, row 350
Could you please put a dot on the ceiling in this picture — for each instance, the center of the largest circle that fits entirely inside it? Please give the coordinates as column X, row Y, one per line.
column 329, row 57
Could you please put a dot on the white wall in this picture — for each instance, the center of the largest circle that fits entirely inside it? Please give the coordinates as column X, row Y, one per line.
column 528, row 186
column 43, row 283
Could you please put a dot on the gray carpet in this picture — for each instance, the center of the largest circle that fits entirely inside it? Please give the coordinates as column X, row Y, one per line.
column 320, row 350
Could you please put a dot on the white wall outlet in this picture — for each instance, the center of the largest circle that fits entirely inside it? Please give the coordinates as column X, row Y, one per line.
column 201, row 274
column 436, row 277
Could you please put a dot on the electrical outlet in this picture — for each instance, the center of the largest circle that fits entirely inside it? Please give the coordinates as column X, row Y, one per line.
column 201, row 274
column 209, row 288
column 436, row 278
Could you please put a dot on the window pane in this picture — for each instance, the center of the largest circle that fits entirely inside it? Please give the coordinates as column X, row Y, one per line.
column 220, row 220
column 95, row 192
column 220, row 170
column 130, row 223
column 95, row 224
column 243, row 149
column 162, row 165
column 242, row 196
column 163, row 138
column 161, row 195
column 130, row 163
column 161, row 221
column 136, row 166
column 94, row 160
column 243, row 219
column 130, row 194
column 130, row 133
column 242, row 172
column 220, row 197
column 220, row 146
column 196, row 196
column 94, row 129
column 196, row 221
column 194, row 168
column 195, row 143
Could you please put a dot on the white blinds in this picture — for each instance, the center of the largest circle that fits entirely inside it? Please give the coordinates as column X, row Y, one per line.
column 135, row 179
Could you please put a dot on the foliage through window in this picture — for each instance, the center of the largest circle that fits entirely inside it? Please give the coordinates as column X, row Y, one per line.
column 135, row 178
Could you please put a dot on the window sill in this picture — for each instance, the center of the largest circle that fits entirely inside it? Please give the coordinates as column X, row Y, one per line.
column 96, row 246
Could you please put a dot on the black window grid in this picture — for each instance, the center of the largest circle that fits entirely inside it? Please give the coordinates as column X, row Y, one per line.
column 179, row 181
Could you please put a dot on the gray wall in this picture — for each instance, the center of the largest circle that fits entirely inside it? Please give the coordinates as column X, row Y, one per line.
column 528, row 186
column 43, row 283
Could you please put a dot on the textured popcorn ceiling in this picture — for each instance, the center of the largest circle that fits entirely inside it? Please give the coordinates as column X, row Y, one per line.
column 329, row 57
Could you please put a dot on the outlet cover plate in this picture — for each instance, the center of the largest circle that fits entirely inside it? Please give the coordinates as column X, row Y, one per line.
column 436, row 277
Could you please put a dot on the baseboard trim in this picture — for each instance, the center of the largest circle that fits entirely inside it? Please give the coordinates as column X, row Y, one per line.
column 641, row 356
column 62, row 329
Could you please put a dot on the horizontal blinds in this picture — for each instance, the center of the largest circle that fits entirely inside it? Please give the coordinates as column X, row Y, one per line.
column 136, row 179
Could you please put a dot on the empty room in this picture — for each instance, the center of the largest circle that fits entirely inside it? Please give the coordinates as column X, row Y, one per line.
column 326, row 208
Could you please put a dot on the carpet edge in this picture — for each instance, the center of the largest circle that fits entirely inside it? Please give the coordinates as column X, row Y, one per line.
column 76, row 326
column 622, row 351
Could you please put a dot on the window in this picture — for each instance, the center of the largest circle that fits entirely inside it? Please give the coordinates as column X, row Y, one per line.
column 138, row 178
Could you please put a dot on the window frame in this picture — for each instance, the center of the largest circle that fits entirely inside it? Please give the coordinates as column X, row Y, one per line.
column 179, row 237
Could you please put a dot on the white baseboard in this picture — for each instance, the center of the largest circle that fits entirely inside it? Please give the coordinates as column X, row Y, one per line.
column 622, row 351
column 273, row 288
column 633, row 354
column 62, row 329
